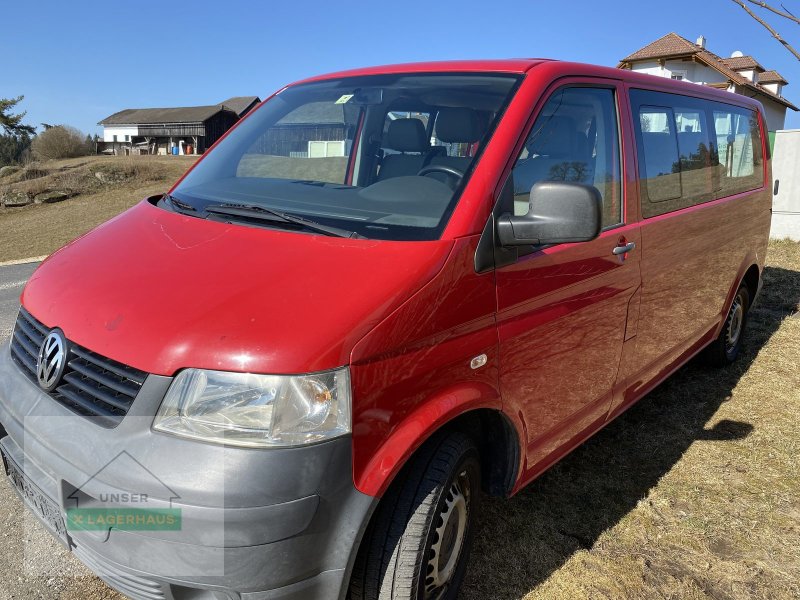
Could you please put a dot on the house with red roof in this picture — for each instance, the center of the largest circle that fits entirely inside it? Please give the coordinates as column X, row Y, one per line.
column 676, row 57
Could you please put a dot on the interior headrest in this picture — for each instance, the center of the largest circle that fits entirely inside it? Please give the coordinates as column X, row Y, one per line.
column 407, row 135
column 458, row 126
column 554, row 138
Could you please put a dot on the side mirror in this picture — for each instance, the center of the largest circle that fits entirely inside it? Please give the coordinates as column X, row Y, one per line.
column 559, row 213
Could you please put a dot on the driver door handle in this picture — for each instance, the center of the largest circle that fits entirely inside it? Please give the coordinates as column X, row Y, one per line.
column 623, row 249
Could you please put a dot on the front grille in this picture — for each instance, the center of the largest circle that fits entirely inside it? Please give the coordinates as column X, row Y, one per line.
column 133, row 586
column 92, row 385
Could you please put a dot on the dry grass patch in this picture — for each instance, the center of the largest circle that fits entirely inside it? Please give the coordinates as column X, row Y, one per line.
column 40, row 229
column 693, row 493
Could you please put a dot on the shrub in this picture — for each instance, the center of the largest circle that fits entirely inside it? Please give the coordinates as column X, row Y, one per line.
column 61, row 141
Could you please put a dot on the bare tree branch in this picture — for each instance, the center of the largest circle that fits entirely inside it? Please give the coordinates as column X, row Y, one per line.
column 783, row 6
column 766, row 25
column 785, row 15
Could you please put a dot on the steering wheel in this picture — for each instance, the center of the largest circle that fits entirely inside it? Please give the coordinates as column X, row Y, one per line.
column 452, row 173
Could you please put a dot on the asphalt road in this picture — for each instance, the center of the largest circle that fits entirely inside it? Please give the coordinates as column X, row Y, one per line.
column 12, row 279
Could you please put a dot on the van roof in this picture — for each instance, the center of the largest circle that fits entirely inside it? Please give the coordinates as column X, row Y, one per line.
column 554, row 68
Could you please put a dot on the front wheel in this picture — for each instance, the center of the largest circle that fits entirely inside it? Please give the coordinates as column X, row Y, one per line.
column 418, row 544
column 724, row 350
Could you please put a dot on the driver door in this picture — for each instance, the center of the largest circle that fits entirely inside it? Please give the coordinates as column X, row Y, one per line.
column 563, row 309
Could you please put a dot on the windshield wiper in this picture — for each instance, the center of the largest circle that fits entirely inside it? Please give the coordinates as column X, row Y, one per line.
column 180, row 207
column 252, row 211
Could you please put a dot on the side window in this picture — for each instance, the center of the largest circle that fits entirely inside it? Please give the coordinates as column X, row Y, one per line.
column 659, row 161
column 575, row 138
column 740, row 150
column 691, row 151
column 697, row 160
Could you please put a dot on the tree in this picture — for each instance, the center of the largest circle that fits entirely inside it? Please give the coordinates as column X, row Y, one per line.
column 782, row 13
column 60, row 141
column 11, row 123
column 13, row 148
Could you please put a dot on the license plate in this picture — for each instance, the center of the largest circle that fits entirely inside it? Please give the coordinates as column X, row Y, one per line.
column 41, row 504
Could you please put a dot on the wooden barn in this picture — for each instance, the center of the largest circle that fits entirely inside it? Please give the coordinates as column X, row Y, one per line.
column 188, row 130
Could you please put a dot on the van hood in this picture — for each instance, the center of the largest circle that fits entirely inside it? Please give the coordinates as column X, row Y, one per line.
column 162, row 291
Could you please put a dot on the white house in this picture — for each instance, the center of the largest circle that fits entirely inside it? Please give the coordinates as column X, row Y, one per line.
column 676, row 57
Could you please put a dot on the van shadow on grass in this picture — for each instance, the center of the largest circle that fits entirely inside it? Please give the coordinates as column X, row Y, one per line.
column 520, row 542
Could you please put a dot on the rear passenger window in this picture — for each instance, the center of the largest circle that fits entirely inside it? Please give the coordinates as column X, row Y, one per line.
column 575, row 138
column 740, row 150
column 660, row 169
column 691, row 150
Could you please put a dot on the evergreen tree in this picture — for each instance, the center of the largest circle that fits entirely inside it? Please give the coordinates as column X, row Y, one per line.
column 13, row 148
column 11, row 123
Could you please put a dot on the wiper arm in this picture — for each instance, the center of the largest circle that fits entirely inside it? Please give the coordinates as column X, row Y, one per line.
column 252, row 211
column 179, row 206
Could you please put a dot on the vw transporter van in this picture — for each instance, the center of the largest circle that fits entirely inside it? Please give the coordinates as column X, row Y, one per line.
column 383, row 294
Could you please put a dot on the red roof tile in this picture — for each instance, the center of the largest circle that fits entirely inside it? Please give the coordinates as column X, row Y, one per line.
column 743, row 63
column 771, row 77
column 670, row 45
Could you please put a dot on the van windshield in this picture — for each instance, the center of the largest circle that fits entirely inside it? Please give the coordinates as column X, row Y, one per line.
column 382, row 156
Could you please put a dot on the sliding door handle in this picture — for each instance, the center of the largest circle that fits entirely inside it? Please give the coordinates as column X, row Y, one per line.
column 623, row 249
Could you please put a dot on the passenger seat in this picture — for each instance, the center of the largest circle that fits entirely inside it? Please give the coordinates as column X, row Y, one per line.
column 403, row 136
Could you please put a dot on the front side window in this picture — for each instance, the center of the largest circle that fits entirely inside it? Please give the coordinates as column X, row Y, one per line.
column 382, row 156
column 575, row 138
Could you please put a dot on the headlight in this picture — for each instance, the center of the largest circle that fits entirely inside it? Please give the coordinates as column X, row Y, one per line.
column 244, row 409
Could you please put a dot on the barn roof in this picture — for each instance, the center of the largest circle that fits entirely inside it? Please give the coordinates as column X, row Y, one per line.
column 147, row 116
column 240, row 104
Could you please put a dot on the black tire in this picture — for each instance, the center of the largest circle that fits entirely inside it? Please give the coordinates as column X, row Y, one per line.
column 725, row 349
column 397, row 556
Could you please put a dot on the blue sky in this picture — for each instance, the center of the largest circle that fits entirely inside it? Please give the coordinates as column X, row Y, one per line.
column 77, row 61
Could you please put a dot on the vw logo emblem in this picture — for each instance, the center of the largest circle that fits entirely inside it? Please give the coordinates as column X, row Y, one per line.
column 52, row 360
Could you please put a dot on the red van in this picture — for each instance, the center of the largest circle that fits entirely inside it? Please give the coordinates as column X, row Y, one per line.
column 382, row 294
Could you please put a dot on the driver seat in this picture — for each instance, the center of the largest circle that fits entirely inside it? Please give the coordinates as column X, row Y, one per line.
column 402, row 136
column 456, row 126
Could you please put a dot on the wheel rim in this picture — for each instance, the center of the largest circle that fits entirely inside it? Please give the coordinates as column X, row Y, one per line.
column 734, row 324
column 448, row 539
